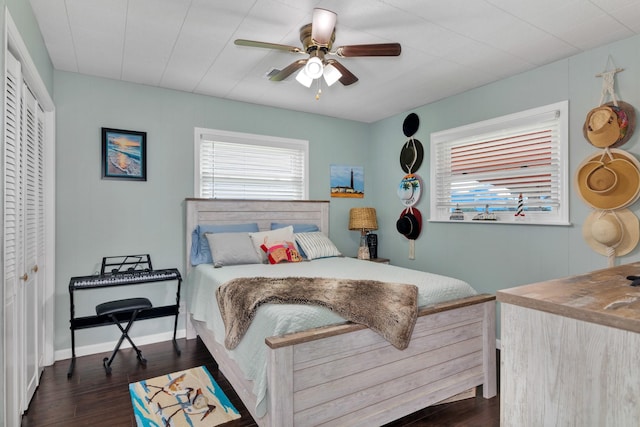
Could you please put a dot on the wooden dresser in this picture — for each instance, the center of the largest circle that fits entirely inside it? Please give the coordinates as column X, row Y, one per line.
column 570, row 353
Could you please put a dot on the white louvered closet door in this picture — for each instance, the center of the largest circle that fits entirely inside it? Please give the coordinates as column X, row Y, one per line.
column 31, row 280
column 12, row 242
column 23, row 229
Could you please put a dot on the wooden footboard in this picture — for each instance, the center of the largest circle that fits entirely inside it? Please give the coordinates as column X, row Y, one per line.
column 349, row 375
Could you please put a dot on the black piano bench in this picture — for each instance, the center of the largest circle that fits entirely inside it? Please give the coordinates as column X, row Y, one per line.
column 119, row 308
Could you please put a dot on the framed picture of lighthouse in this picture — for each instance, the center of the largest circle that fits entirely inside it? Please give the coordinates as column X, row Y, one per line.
column 124, row 154
column 347, row 181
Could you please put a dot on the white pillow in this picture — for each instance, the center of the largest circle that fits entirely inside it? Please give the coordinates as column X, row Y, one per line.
column 232, row 249
column 270, row 238
column 317, row 245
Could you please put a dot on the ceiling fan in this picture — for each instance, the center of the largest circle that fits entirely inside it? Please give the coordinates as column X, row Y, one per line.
column 317, row 41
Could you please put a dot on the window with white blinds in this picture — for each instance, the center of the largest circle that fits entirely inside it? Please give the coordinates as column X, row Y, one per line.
column 231, row 165
column 514, row 163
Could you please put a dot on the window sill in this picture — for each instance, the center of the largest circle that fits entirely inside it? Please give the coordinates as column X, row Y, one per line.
column 503, row 222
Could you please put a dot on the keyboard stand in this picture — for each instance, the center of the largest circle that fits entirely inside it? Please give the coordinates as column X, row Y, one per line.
column 109, row 280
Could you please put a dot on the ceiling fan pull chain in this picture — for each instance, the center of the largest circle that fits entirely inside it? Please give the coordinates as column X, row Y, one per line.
column 319, row 89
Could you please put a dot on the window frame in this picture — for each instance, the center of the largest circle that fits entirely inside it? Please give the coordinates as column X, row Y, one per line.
column 558, row 215
column 250, row 139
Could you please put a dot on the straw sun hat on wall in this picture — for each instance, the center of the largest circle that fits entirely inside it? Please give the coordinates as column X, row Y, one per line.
column 608, row 181
column 612, row 233
column 609, row 125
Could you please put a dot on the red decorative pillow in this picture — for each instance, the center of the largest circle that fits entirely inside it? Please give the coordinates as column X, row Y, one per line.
column 282, row 252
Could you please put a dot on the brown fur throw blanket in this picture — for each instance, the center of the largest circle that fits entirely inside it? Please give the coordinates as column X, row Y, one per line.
column 390, row 309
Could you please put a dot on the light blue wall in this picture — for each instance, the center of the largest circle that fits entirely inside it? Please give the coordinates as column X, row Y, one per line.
column 97, row 218
column 494, row 256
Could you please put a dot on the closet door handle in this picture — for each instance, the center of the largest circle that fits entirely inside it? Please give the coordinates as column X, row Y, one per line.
column 35, row 268
column 24, row 277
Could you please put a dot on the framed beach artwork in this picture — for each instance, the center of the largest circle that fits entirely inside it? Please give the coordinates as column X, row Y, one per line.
column 347, row 181
column 124, row 154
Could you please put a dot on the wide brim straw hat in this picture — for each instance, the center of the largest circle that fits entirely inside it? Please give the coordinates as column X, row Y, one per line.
column 608, row 180
column 610, row 125
column 612, row 233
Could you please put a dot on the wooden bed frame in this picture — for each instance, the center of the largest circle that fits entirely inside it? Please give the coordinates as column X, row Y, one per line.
column 347, row 374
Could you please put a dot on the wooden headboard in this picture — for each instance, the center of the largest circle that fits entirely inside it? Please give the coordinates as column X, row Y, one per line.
column 263, row 212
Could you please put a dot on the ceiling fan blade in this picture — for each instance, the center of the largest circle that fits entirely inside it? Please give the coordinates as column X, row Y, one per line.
column 253, row 43
column 288, row 70
column 348, row 78
column 381, row 49
column 322, row 26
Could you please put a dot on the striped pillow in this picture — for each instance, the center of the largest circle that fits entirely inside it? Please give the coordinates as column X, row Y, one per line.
column 316, row 245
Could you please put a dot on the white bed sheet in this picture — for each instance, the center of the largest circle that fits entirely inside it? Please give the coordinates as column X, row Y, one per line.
column 278, row 319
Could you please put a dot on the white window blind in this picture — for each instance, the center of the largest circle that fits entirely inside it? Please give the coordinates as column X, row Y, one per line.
column 491, row 165
column 246, row 166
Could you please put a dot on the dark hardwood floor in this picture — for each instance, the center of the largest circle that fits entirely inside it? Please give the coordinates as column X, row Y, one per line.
column 90, row 398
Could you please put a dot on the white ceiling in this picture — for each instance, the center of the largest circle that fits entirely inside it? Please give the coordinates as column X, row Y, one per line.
column 448, row 46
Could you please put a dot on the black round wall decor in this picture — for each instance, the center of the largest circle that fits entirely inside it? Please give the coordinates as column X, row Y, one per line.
column 411, row 156
column 410, row 125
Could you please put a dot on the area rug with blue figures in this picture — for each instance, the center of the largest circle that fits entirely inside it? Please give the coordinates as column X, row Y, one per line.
column 189, row 398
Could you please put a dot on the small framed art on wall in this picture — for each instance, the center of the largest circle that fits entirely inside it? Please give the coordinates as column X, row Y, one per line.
column 124, row 154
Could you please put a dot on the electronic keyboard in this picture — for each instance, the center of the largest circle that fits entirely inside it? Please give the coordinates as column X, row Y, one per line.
column 123, row 278
column 127, row 270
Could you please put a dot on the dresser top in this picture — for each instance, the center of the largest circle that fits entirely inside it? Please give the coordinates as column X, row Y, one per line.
column 604, row 297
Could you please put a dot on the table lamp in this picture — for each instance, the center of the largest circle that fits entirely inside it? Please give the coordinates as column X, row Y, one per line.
column 363, row 219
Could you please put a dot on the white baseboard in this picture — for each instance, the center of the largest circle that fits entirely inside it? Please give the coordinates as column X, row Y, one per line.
column 107, row 347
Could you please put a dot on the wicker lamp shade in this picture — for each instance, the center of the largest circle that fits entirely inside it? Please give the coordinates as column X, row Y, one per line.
column 363, row 219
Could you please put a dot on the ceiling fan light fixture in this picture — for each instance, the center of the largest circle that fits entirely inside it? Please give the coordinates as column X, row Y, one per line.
column 314, row 67
column 317, row 39
column 303, row 78
column 331, row 74
column 324, row 22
